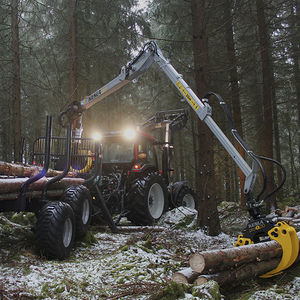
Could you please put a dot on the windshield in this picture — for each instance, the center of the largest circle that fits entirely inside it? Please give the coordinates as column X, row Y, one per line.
column 118, row 152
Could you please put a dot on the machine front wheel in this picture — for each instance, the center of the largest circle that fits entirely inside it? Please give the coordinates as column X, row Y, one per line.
column 147, row 199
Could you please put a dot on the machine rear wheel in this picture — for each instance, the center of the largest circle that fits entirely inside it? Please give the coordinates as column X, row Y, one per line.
column 186, row 197
column 55, row 230
column 147, row 199
column 79, row 198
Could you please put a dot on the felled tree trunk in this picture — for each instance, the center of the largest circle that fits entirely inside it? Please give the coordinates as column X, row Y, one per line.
column 185, row 276
column 241, row 273
column 17, row 170
column 31, row 194
column 13, row 185
column 219, row 260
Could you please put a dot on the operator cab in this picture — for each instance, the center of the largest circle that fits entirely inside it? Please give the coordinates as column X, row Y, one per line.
column 133, row 151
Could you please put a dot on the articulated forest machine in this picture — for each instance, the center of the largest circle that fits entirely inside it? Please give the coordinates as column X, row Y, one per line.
column 259, row 228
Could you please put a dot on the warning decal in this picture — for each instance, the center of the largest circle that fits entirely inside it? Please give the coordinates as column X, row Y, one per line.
column 187, row 95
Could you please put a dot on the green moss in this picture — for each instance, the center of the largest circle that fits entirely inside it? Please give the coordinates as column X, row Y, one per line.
column 148, row 244
column 208, row 290
column 121, row 281
column 60, row 289
column 185, row 222
column 23, row 218
column 88, row 240
column 146, row 249
column 125, row 248
column 171, row 292
column 84, row 284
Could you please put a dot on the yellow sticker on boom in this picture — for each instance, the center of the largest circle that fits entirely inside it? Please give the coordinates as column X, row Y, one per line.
column 186, row 94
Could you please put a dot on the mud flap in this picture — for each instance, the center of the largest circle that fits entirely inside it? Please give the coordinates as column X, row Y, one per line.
column 287, row 237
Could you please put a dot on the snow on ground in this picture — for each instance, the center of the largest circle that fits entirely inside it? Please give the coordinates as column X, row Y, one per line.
column 127, row 265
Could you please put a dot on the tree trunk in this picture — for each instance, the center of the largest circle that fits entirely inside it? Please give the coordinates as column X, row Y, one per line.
column 73, row 80
column 16, row 170
column 233, row 75
column 268, row 82
column 185, row 276
column 31, row 195
column 14, row 185
column 244, row 272
column 207, row 204
column 296, row 59
column 16, row 84
column 219, row 260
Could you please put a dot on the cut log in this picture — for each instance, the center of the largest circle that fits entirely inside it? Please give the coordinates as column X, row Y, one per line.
column 219, row 260
column 17, row 170
column 31, row 195
column 13, row 185
column 243, row 272
column 185, row 276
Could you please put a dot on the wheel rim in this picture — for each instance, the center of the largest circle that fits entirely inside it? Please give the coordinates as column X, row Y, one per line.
column 67, row 232
column 156, row 201
column 85, row 211
column 188, row 201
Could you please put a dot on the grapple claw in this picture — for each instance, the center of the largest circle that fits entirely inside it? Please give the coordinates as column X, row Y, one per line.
column 242, row 241
column 287, row 237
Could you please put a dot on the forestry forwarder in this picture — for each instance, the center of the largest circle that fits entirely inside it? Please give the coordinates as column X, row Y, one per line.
column 259, row 228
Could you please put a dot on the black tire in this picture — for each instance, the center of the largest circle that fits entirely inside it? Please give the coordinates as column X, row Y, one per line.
column 147, row 199
column 186, row 197
column 80, row 200
column 55, row 230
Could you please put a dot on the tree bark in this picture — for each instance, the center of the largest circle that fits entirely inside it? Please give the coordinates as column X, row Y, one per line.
column 17, row 170
column 207, row 204
column 219, row 260
column 185, row 276
column 235, row 276
column 31, row 195
column 268, row 82
column 73, row 81
column 16, row 83
column 14, row 185
column 296, row 59
column 233, row 76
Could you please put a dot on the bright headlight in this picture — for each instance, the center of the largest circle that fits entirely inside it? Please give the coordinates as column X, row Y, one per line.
column 96, row 136
column 129, row 134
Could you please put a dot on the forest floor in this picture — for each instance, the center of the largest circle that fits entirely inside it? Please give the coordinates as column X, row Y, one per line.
column 128, row 265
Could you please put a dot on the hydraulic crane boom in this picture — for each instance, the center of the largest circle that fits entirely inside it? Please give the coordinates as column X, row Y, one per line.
column 259, row 226
column 140, row 64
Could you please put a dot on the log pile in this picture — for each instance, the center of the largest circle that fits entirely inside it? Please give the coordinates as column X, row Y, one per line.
column 291, row 215
column 231, row 265
column 13, row 176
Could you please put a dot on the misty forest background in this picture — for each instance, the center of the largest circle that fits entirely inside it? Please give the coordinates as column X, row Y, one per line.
column 55, row 51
